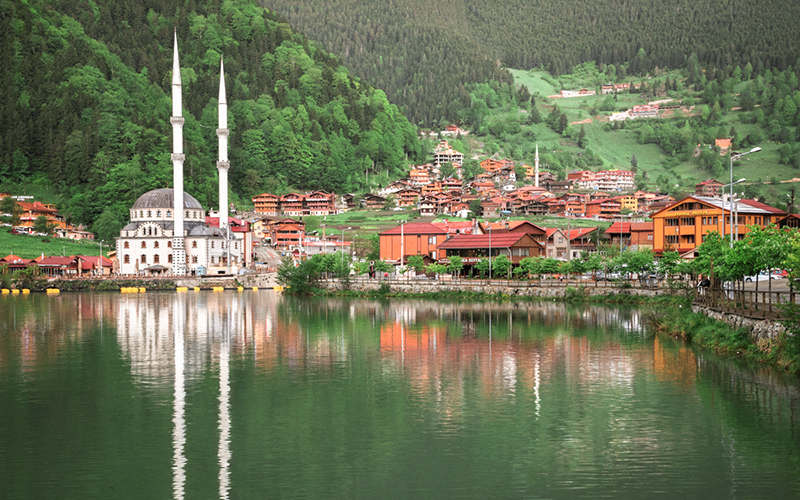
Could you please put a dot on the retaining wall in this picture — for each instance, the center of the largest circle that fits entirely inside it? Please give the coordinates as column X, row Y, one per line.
column 759, row 328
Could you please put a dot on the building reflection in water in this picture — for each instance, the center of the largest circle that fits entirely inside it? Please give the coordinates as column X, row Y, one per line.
column 444, row 352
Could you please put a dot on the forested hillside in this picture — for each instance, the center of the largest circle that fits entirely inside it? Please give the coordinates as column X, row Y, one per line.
column 423, row 53
column 85, row 105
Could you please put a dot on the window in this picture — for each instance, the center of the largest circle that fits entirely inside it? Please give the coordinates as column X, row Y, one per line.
column 212, row 244
column 561, row 239
column 431, row 240
column 126, row 244
column 169, row 244
column 671, row 222
column 194, row 244
column 158, row 213
column 169, row 213
column 126, row 259
column 148, row 214
column 144, row 244
column 687, row 221
column 671, row 239
column 194, row 259
column 169, row 258
column 155, row 244
column 143, row 260
column 156, row 259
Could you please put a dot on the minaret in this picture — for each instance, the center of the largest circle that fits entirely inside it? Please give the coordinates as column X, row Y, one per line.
column 223, row 164
column 178, row 247
column 536, row 167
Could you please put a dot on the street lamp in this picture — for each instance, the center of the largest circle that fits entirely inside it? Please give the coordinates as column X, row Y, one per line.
column 730, row 214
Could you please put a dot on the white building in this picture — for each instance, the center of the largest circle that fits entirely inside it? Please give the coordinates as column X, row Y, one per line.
column 168, row 232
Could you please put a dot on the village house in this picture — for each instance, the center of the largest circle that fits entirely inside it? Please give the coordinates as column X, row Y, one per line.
column 445, row 154
column 708, row 187
column 630, row 234
column 292, row 204
column 682, row 226
column 373, row 201
column 320, row 203
column 603, row 209
column 419, row 177
column 416, row 238
column 627, row 202
column 561, row 247
column 267, row 204
column 287, row 233
column 473, row 247
column 724, row 145
column 577, row 93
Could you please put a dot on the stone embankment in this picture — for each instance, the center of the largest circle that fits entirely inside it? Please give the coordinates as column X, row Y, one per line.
column 520, row 289
column 759, row 329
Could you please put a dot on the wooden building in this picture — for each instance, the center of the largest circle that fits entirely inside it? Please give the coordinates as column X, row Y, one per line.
column 416, row 238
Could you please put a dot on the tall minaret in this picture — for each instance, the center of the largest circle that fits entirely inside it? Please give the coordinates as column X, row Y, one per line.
column 223, row 164
column 536, row 167
column 178, row 248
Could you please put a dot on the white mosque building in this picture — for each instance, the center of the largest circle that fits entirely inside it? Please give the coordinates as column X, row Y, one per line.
column 168, row 232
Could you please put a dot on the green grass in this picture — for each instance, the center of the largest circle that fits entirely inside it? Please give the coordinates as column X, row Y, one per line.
column 534, row 80
column 29, row 247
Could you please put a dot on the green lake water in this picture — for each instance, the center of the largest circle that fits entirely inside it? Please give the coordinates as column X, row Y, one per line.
column 258, row 395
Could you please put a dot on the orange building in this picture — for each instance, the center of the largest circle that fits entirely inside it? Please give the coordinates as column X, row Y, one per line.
column 683, row 225
column 266, row 204
column 604, row 209
column 32, row 211
column 417, row 238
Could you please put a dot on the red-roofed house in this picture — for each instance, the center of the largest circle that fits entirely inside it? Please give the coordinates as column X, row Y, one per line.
column 709, row 187
column 416, row 238
column 563, row 248
column 639, row 234
column 266, row 204
column 54, row 267
column 724, row 145
column 473, row 247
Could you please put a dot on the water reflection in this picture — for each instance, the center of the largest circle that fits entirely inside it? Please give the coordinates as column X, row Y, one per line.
column 541, row 397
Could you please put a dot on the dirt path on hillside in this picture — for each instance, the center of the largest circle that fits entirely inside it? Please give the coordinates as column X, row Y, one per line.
column 582, row 122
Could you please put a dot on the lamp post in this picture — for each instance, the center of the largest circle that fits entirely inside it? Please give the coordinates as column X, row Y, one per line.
column 754, row 150
column 730, row 215
column 100, row 260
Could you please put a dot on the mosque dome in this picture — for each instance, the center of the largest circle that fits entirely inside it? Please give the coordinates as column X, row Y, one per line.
column 165, row 198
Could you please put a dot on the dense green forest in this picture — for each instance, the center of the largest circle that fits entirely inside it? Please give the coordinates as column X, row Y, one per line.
column 424, row 53
column 85, row 105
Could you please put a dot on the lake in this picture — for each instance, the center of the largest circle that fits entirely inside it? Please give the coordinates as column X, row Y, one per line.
column 259, row 395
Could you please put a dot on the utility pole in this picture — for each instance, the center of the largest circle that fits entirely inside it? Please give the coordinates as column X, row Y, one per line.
column 791, row 201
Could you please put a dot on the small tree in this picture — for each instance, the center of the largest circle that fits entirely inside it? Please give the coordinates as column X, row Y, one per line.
column 456, row 265
column 41, row 225
column 417, row 263
column 501, row 265
column 437, row 268
column 9, row 205
column 483, row 265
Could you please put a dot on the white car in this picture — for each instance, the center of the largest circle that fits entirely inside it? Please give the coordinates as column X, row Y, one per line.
column 762, row 276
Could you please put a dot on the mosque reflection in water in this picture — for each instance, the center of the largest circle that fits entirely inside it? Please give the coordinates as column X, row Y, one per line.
column 173, row 340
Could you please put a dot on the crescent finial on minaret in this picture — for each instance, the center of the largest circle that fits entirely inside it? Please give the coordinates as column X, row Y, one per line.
column 222, row 99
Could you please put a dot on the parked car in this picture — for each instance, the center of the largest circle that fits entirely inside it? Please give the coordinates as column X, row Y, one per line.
column 779, row 274
column 762, row 276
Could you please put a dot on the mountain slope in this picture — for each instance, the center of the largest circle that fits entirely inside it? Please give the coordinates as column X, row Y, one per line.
column 422, row 53
column 85, row 104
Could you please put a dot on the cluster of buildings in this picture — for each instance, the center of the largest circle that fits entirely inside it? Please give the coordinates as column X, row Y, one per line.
column 31, row 210
column 296, row 204
column 74, row 266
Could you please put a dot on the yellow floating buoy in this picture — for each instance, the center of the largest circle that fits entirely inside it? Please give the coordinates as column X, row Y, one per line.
column 5, row 291
column 26, row 291
column 218, row 289
column 255, row 288
column 278, row 288
column 240, row 289
column 182, row 289
column 53, row 291
column 197, row 289
column 14, row 291
column 142, row 290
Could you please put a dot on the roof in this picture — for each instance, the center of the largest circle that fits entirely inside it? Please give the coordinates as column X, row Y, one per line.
column 723, row 143
column 510, row 225
column 467, row 241
column 628, row 227
column 452, row 227
column 742, row 206
column 165, row 198
column 56, row 261
column 573, row 233
column 415, row 228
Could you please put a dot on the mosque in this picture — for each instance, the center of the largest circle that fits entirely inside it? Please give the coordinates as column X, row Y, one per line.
column 168, row 232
